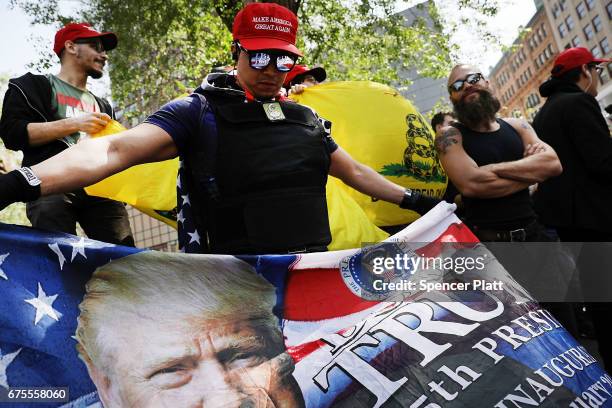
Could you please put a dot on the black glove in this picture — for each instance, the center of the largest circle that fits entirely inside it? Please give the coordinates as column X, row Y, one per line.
column 415, row 201
column 18, row 185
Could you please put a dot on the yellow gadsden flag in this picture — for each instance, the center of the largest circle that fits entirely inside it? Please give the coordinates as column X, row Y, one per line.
column 151, row 188
column 381, row 129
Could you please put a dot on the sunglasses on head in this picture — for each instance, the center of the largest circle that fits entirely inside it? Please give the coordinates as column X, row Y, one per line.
column 284, row 61
column 470, row 79
column 96, row 44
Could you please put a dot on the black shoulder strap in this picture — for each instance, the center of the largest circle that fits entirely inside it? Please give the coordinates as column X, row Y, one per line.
column 203, row 155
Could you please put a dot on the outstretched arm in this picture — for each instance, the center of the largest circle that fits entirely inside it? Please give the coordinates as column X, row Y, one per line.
column 471, row 180
column 540, row 161
column 95, row 159
column 367, row 181
column 363, row 178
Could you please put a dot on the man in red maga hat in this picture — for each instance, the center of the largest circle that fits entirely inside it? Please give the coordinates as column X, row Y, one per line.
column 577, row 203
column 43, row 115
column 254, row 165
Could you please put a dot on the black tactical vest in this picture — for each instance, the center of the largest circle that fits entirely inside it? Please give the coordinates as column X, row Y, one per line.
column 261, row 182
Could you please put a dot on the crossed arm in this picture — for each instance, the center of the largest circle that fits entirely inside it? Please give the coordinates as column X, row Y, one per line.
column 539, row 163
column 498, row 179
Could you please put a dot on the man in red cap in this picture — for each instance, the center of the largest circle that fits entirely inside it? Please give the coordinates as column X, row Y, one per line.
column 43, row 115
column 253, row 165
column 577, row 203
column 302, row 77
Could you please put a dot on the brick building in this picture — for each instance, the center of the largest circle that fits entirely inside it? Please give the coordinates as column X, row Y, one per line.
column 516, row 77
column 556, row 25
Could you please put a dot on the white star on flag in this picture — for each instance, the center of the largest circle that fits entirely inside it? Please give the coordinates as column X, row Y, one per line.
column 79, row 248
column 178, row 181
column 43, row 305
column 186, row 199
column 5, row 360
column 195, row 237
column 60, row 257
column 179, row 217
column 2, row 258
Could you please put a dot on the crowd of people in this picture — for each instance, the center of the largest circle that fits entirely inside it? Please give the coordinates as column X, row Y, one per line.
column 237, row 200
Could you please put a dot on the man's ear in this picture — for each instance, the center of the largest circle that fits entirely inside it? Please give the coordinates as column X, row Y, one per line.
column 235, row 51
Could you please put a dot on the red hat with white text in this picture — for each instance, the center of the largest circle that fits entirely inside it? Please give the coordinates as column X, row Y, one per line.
column 266, row 26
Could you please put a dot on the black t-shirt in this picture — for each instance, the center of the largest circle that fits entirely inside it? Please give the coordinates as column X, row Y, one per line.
column 503, row 145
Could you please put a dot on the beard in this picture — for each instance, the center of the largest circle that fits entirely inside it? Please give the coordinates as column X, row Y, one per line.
column 94, row 73
column 479, row 110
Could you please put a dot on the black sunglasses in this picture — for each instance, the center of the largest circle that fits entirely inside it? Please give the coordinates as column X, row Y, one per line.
column 283, row 61
column 597, row 67
column 470, row 79
column 96, row 44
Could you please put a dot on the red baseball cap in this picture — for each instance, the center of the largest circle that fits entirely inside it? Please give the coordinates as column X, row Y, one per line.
column 573, row 58
column 298, row 73
column 74, row 31
column 266, row 26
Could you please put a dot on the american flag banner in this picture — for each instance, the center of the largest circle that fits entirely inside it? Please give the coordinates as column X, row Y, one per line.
column 371, row 327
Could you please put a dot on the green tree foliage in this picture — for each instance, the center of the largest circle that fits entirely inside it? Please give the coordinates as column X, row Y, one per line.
column 165, row 45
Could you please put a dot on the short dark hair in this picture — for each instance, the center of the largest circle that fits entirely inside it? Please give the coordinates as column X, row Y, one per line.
column 438, row 118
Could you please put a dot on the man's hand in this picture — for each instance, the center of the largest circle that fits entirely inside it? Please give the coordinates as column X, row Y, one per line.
column 535, row 148
column 45, row 132
column 91, row 123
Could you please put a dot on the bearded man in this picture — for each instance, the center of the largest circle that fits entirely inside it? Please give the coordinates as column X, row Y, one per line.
column 493, row 161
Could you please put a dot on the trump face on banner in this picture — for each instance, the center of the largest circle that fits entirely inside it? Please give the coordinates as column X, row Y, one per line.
column 161, row 330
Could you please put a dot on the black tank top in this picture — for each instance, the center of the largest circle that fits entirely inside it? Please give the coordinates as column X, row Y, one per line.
column 509, row 212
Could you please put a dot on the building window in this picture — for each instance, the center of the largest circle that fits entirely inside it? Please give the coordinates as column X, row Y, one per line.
column 609, row 10
column 597, row 23
column 581, row 10
column 543, row 30
column 555, row 11
column 576, row 41
column 562, row 4
column 563, row 29
column 605, row 47
column 567, row 46
column 596, row 52
column 588, row 31
column 570, row 22
column 590, row 4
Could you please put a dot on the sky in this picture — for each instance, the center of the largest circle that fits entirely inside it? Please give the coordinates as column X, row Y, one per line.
column 17, row 47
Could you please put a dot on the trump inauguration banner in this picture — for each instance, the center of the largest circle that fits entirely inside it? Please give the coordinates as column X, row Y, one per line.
column 427, row 319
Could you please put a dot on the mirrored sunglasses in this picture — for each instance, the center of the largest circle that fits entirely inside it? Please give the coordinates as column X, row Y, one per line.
column 283, row 61
column 470, row 79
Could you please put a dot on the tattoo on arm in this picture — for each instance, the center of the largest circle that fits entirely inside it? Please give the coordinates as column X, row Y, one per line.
column 526, row 125
column 448, row 138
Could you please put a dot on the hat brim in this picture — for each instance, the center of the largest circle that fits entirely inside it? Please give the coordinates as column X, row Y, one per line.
column 256, row 44
column 599, row 60
column 318, row 73
column 109, row 39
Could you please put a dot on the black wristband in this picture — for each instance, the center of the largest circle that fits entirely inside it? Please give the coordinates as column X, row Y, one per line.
column 409, row 199
column 18, row 185
column 415, row 201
